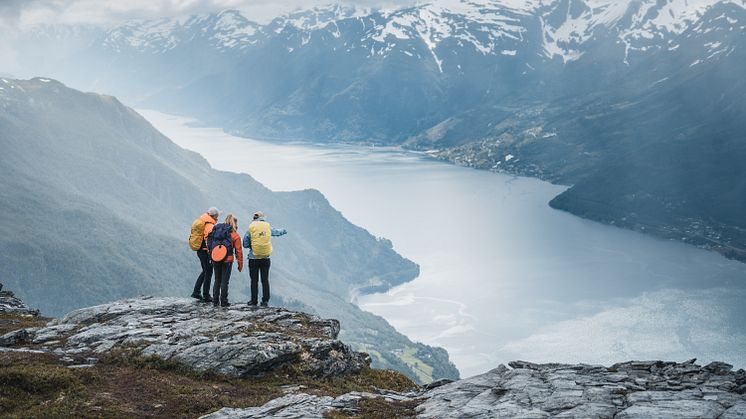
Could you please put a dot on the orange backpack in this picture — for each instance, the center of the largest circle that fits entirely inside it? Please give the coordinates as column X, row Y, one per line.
column 197, row 236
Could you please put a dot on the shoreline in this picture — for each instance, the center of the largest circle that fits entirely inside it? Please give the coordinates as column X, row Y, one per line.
column 335, row 170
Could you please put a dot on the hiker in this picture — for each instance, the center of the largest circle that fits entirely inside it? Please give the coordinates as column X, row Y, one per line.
column 258, row 240
column 201, row 227
column 223, row 242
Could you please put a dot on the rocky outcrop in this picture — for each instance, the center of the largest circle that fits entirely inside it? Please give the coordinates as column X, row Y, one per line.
column 630, row 390
column 242, row 341
column 623, row 391
column 309, row 406
column 9, row 303
column 237, row 341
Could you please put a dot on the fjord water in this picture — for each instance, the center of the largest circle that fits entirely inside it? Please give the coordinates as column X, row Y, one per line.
column 504, row 276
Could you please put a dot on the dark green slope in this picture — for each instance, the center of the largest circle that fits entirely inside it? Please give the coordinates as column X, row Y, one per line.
column 97, row 206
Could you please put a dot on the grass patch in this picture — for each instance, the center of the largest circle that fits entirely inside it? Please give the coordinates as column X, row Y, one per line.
column 13, row 321
column 126, row 384
column 424, row 372
column 130, row 357
column 368, row 379
column 37, row 385
column 308, row 329
column 40, row 386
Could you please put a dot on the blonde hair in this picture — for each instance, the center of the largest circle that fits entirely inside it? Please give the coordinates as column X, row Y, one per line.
column 231, row 221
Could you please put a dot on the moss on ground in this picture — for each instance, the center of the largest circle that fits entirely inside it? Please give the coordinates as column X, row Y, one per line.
column 128, row 385
column 12, row 321
column 308, row 330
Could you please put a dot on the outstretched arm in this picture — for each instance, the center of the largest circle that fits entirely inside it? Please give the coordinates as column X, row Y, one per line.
column 279, row 232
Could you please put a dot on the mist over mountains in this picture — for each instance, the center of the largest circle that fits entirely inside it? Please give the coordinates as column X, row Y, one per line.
column 635, row 103
column 388, row 76
column 98, row 206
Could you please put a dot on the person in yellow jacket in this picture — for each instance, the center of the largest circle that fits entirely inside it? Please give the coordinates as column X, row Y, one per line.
column 201, row 228
column 258, row 239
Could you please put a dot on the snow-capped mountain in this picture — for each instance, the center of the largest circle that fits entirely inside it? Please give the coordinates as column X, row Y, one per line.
column 452, row 53
column 602, row 94
column 563, row 27
column 227, row 30
column 435, row 74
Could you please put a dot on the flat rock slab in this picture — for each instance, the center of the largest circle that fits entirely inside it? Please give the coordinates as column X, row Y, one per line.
column 631, row 390
column 653, row 389
column 302, row 406
column 297, row 406
column 237, row 341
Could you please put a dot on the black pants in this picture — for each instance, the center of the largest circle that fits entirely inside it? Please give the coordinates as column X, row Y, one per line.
column 204, row 278
column 257, row 266
column 222, row 277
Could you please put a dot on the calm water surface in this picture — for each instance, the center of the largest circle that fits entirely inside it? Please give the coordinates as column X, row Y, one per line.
column 503, row 276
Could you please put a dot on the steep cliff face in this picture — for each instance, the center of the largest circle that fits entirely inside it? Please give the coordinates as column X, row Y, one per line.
column 99, row 204
column 94, row 194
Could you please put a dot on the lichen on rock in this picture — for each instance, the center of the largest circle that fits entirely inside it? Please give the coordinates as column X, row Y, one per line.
column 238, row 341
column 630, row 390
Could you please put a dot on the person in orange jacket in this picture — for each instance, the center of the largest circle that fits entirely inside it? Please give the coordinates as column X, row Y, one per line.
column 201, row 228
column 225, row 235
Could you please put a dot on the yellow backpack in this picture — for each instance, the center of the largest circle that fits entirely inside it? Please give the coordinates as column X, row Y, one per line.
column 261, row 244
column 197, row 236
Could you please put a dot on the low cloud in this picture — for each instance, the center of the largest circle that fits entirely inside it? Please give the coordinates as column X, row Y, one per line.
column 666, row 324
column 104, row 13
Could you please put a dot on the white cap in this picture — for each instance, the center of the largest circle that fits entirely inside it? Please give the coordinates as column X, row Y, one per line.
column 213, row 212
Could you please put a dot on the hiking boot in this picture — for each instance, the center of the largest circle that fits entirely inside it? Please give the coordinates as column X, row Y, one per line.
column 252, row 303
column 263, row 304
column 207, row 299
column 197, row 296
column 225, row 304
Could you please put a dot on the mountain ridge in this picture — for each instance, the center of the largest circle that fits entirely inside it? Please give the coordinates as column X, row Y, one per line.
column 554, row 89
column 106, row 199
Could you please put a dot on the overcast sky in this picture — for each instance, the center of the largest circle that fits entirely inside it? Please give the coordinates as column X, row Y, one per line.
column 108, row 12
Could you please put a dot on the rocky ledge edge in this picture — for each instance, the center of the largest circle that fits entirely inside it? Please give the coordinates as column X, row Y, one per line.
column 237, row 341
column 242, row 341
column 9, row 303
column 630, row 390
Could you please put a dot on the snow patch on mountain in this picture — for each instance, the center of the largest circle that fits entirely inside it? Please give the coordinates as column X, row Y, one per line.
column 636, row 23
column 318, row 17
column 490, row 27
column 226, row 30
column 483, row 25
column 143, row 35
column 233, row 30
